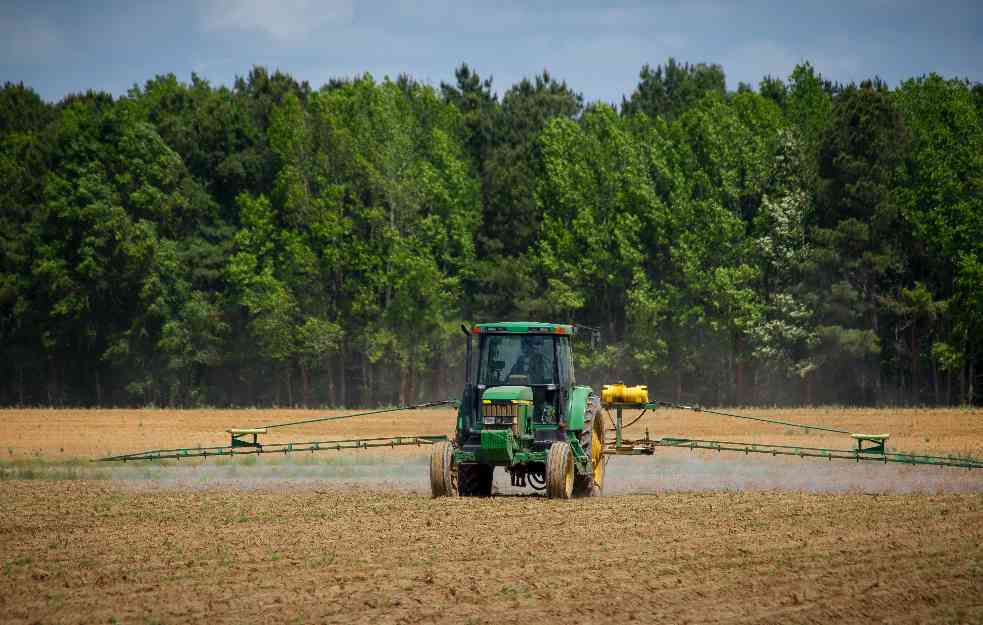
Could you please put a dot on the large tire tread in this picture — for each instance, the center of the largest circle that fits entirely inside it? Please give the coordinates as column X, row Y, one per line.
column 557, row 463
column 442, row 469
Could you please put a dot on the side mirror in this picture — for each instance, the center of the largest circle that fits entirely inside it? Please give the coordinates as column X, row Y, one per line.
column 465, row 329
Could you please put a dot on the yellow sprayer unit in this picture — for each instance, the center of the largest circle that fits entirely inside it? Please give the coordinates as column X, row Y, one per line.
column 621, row 394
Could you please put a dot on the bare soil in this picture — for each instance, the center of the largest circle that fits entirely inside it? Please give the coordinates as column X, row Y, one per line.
column 354, row 537
column 96, row 552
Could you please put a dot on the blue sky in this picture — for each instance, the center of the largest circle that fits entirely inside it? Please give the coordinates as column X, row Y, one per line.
column 60, row 47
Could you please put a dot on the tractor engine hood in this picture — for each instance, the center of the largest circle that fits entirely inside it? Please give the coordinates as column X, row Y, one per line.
column 507, row 393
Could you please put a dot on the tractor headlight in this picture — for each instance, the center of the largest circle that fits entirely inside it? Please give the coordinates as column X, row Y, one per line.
column 489, row 420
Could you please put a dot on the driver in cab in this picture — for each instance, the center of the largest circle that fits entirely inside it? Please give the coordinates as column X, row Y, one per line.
column 531, row 363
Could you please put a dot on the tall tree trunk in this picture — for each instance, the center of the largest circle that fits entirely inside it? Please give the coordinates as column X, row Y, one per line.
column 305, row 384
column 962, row 384
column 972, row 381
column 368, row 387
column 288, row 375
column 62, row 390
column 738, row 371
column 412, row 392
column 879, row 378
column 611, row 324
column 332, row 389
column 52, row 380
column 962, row 371
column 437, row 386
column 914, row 363
column 342, row 376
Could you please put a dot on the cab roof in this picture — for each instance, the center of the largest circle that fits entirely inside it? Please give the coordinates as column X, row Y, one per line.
column 524, row 327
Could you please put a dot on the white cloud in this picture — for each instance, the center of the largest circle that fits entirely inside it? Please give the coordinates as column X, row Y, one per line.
column 282, row 20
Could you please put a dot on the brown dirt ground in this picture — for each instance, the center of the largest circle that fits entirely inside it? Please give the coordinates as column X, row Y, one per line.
column 666, row 544
column 96, row 552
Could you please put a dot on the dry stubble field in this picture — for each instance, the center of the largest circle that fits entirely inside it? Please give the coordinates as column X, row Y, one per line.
column 353, row 537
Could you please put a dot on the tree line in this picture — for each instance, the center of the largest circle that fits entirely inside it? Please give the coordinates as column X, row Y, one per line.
column 269, row 243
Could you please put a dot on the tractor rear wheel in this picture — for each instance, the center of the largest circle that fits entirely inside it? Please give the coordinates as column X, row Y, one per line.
column 443, row 470
column 592, row 441
column 559, row 471
column 475, row 480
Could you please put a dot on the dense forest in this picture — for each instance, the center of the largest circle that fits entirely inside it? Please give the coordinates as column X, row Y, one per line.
column 269, row 243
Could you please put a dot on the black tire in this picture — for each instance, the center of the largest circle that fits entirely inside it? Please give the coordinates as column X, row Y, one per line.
column 475, row 480
column 560, row 471
column 443, row 470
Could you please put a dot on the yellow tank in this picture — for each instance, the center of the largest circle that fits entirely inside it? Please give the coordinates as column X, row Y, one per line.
column 621, row 394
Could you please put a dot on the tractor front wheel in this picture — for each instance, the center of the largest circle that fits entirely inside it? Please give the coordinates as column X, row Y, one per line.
column 443, row 470
column 559, row 471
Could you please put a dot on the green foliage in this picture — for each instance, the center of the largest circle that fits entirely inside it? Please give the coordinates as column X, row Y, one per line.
column 668, row 91
column 22, row 110
column 510, row 171
column 941, row 194
column 478, row 105
column 270, row 243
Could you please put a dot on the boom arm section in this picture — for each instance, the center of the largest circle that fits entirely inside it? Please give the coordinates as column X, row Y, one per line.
column 646, row 446
column 283, row 448
column 869, row 447
column 241, row 443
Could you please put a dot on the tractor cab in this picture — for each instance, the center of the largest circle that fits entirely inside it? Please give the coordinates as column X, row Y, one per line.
column 538, row 361
column 519, row 375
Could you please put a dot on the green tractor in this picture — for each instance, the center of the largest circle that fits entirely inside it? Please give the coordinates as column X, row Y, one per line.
column 523, row 410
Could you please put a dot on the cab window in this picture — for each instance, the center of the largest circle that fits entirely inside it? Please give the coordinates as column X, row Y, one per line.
column 517, row 359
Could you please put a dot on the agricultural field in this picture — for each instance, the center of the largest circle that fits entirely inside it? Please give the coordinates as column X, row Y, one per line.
column 353, row 537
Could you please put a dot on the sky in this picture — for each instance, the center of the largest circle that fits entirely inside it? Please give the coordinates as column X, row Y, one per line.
column 59, row 47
